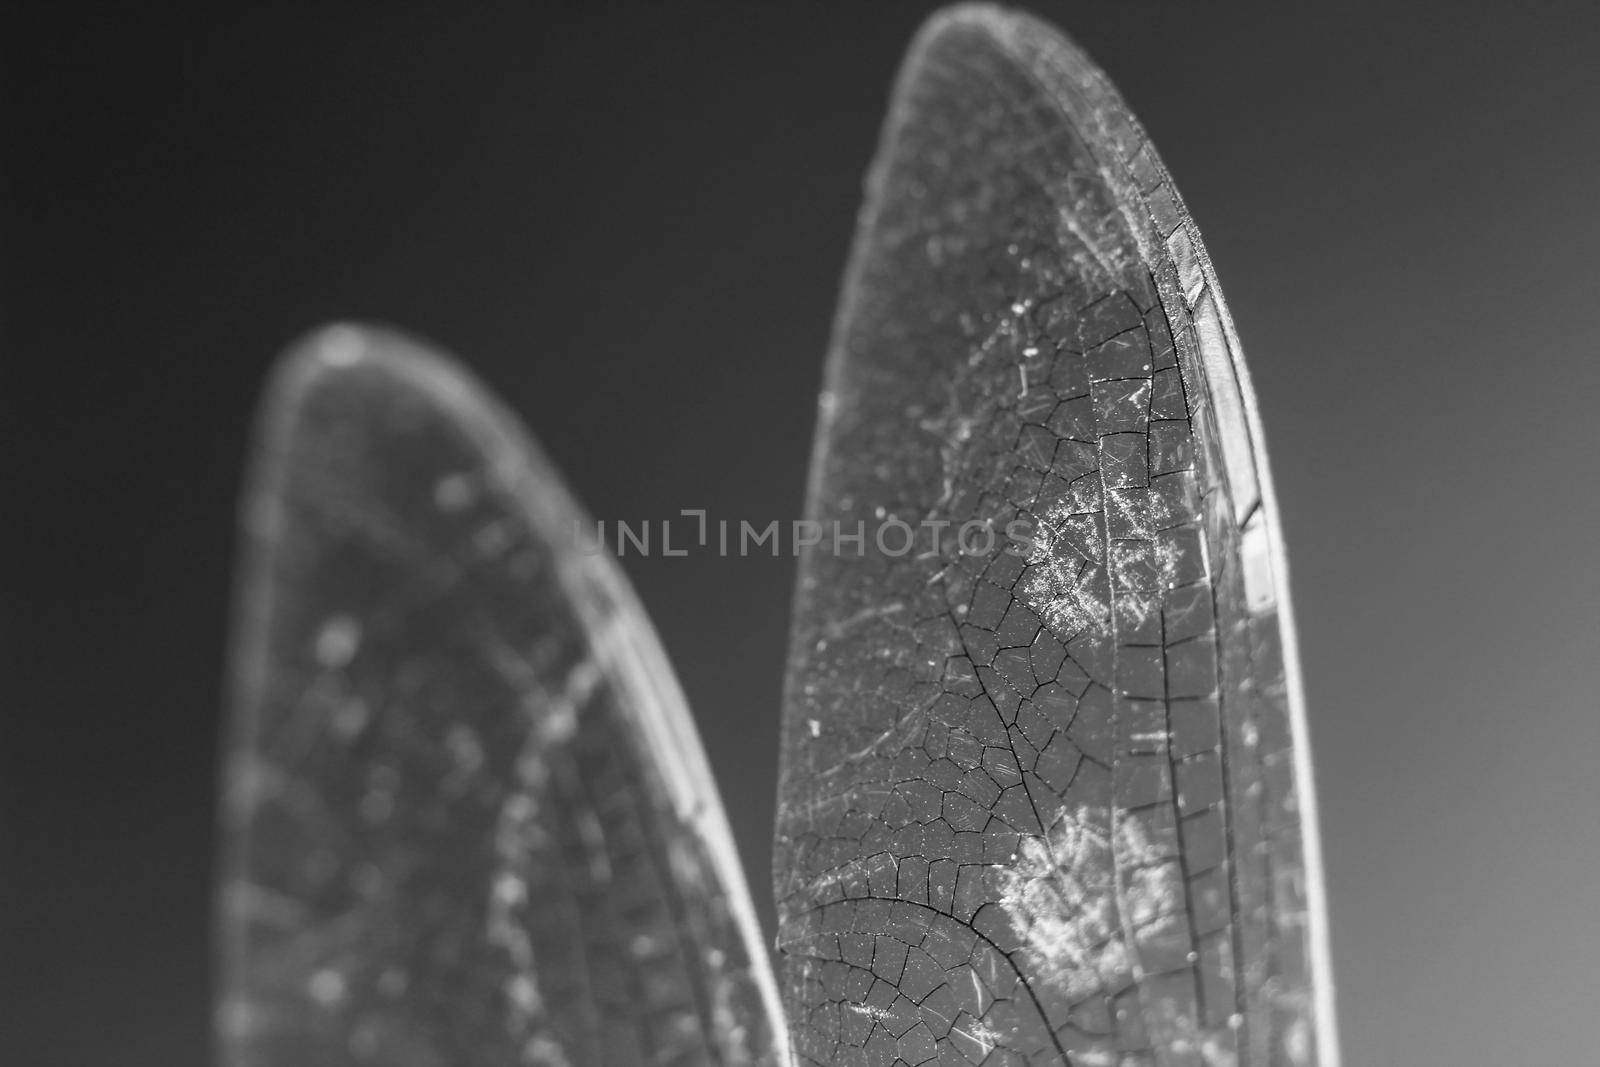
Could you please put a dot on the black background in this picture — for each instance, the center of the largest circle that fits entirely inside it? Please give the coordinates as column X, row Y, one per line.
column 631, row 221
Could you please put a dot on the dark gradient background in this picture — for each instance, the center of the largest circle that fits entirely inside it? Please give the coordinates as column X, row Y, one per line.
column 631, row 222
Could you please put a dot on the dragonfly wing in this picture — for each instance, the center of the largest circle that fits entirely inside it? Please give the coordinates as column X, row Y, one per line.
column 467, row 817
column 1045, row 794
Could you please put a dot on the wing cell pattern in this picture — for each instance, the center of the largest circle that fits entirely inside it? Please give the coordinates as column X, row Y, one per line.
column 1045, row 794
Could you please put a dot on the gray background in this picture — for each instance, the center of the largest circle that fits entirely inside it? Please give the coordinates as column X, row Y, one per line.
column 631, row 222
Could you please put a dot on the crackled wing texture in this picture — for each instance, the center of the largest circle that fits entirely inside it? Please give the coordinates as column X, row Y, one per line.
column 1045, row 791
column 467, row 818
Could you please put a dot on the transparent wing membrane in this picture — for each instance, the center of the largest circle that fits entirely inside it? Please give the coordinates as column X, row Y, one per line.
column 1045, row 792
column 467, row 816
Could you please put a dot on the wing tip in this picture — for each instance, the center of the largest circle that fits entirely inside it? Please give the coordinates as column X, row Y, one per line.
column 391, row 364
column 348, row 351
column 1004, row 24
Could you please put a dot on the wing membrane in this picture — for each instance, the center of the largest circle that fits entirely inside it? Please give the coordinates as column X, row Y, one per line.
column 1045, row 794
column 468, row 819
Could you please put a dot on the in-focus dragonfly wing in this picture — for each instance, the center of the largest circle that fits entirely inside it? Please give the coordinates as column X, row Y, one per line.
column 468, row 820
column 1045, row 795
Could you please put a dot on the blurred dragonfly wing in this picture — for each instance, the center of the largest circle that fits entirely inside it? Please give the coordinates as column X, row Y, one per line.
column 467, row 817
